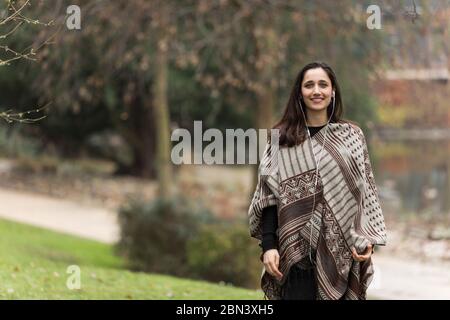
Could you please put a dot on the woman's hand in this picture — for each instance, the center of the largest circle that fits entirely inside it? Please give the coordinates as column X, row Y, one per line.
column 364, row 256
column 271, row 260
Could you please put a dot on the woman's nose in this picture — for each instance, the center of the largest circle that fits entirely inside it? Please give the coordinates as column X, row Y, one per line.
column 316, row 89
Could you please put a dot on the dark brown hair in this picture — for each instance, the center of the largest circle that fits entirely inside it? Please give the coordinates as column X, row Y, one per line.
column 292, row 125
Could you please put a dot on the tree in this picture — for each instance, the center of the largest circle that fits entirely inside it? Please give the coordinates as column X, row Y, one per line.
column 14, row 17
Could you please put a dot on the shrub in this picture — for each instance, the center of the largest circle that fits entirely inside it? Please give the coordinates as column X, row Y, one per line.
column 225, row 252
column 154, row 234
column 177, row 237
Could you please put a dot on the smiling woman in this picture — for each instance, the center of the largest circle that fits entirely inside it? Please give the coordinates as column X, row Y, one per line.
column 314, row 89
column 317, row 214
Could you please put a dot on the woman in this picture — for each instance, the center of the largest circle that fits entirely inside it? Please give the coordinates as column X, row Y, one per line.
column 317, row 211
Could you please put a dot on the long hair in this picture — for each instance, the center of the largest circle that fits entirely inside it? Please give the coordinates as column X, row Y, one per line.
column 292, row 125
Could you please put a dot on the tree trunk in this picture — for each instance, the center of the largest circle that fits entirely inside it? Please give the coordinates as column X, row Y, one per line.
column 139, row 132
column 266, row 97
column 144, row 153
column 162, row 121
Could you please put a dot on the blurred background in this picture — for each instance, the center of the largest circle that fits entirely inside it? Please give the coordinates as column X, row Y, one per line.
column 91, row 96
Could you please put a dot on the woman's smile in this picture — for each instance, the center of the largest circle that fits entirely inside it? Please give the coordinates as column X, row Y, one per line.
column 317, row 100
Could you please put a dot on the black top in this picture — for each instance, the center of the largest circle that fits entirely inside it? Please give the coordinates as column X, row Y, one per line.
column 270, row 217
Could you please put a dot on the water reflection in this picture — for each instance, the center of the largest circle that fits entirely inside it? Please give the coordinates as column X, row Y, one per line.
column 413, row 176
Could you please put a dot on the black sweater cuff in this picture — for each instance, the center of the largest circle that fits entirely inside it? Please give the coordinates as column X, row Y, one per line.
column 269, row 228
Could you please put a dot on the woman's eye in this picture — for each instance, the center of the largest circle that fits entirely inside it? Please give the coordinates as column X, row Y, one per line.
column 322, row 85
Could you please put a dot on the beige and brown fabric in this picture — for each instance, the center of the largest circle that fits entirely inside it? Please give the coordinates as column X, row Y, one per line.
column 347, row 210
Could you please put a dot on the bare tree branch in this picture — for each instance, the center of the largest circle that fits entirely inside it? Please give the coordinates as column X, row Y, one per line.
column 23, row 117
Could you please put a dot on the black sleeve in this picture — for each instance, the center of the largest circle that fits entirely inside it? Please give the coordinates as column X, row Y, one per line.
column 269, row 228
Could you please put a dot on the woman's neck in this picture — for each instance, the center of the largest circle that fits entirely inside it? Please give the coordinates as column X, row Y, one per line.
column 316, row 119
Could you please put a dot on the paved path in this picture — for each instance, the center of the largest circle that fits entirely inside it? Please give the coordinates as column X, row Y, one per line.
column 409, row 279
column 59, row 215
column 395, row 278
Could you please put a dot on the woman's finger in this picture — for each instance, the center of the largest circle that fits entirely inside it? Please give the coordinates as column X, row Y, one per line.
column 368, row 249
column 363, row 257
column 355, row 254
column 269, row 269
column 277, row 272
column 366, row 256
column 358, row 257
column 367, row 252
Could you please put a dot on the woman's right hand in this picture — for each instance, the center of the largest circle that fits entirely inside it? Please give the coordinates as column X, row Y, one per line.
column 271, row 260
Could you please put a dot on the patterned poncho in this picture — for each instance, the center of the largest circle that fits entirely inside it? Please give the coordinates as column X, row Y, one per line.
column 347, row 210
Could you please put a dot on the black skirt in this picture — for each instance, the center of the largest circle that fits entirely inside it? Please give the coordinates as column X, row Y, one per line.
column 300, row 284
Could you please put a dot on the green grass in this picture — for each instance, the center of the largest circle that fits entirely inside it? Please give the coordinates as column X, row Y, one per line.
column 34, row 262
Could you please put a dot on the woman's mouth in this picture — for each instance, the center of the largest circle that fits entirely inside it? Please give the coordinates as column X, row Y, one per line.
column 316, row 100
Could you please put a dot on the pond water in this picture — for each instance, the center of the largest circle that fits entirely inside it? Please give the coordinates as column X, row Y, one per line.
column 413, row 176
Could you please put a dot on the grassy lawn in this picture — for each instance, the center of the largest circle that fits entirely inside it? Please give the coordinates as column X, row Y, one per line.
column 34, row 262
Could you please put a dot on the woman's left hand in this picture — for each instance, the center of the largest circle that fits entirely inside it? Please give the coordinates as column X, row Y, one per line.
column 364, row 256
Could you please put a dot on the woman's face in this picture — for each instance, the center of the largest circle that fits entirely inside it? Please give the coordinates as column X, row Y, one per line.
column 316, row 89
